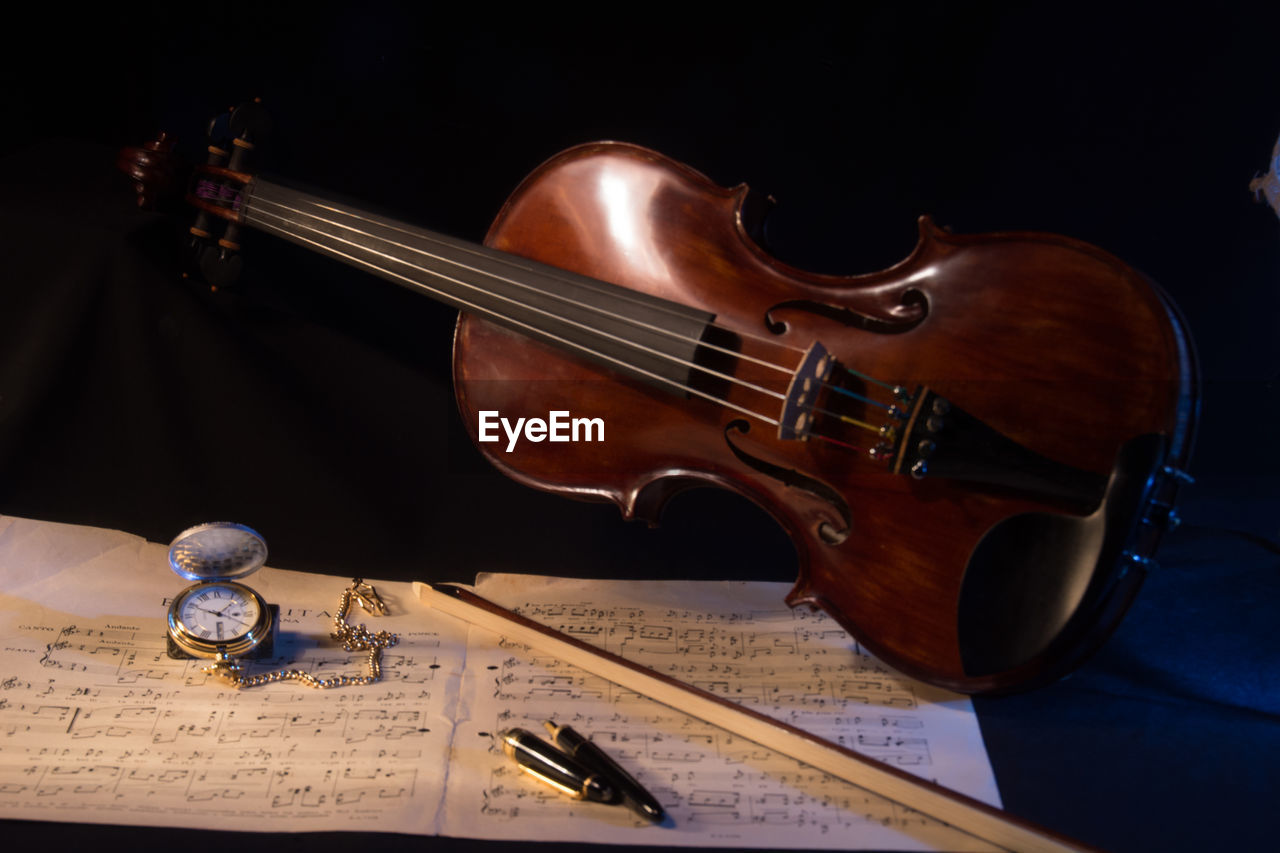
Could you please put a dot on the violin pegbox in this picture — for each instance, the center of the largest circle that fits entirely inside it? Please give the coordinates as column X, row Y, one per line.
column 217, row 190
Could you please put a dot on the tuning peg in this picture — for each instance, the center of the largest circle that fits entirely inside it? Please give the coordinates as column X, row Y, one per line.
column 250, row 127
column 251, row 121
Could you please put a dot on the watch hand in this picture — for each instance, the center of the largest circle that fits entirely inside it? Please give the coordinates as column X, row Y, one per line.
column 218, row 613
column 239, row 623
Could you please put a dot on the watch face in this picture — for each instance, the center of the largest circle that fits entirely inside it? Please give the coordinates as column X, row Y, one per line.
column 217, row 614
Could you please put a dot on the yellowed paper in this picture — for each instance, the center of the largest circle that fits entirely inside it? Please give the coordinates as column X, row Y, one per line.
column 98, row 724
column 737, row 640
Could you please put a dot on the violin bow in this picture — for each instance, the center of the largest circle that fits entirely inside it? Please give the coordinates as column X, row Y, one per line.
column 959, row 811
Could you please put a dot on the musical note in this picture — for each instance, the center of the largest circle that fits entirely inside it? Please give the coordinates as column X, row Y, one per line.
column 795, row 665
column 98, row 723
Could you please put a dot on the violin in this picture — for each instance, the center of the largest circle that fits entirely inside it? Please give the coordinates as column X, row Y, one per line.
column 975, row 452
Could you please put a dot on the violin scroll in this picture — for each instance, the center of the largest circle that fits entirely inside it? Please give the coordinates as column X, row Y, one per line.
column 157, row 171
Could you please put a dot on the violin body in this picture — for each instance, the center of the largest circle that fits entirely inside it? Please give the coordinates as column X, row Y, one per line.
column 974, row 452
column 1057, row 349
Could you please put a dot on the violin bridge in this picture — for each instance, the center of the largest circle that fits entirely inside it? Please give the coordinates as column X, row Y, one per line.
column 796, row 419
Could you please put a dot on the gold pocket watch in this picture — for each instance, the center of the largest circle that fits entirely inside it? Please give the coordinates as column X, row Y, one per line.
column 218, row 616
column 220, row 619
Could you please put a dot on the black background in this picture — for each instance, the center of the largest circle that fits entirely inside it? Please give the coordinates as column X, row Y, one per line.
column 314, row 403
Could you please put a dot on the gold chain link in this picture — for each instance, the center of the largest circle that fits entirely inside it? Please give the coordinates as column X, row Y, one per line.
column 353, row 639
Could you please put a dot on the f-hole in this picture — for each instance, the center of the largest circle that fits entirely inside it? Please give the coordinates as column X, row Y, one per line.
column 828, row 533
column 910, row 312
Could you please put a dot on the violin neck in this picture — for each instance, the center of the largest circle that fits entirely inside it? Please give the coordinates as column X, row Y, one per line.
column 641, row 336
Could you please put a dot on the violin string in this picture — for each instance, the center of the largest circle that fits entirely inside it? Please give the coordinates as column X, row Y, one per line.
column 513, row 263
column 859, row 450
column 359, row 262
column 498, row 315
column 599, row 287
column 861, row 375
column 856, row 395
column 509, row 318
column 588, row 283
column 846, row 419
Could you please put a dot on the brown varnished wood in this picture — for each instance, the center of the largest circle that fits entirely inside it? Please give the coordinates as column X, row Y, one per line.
column 156, row 170
column 1051, row 341
column 1040, row 339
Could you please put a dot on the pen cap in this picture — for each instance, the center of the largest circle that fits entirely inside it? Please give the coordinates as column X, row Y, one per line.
column 632, row 792
column 564, row 737
column 540, row 759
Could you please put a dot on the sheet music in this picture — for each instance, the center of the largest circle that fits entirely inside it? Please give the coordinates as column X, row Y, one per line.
column 737, row 640
column 98, row 724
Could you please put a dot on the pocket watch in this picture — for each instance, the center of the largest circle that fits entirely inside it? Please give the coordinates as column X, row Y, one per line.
column 221, row 619
column 218, row 616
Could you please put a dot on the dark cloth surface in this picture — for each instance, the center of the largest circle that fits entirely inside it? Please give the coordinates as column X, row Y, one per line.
column 314, row 403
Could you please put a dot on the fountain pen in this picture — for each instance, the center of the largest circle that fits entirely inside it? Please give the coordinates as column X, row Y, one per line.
column 588, row 754
column 560, row 771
